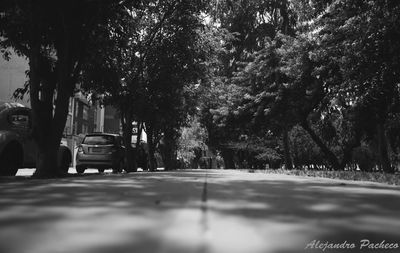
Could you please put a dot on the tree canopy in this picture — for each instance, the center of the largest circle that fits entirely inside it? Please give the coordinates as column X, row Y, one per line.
column 328, row 67
column 147, row 58
column 300, row 84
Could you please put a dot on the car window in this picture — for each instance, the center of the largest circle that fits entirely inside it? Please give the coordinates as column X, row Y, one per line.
column 98, row 140
column 19, row 119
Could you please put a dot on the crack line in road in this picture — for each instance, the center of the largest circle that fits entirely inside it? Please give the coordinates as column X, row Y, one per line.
column 204, row 207
column 204, row 193
column 204, row 217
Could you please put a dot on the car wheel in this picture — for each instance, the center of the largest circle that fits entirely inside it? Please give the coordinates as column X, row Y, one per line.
column 10, row 160
column 9, row 167
column 80, row 169
column 100, row 170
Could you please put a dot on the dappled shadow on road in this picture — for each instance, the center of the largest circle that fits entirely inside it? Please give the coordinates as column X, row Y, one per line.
column 307, row 210
column 174, row 212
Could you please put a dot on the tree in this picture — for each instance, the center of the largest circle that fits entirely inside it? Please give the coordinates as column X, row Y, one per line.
column 247, row 26
column 53, row 36
column 116, row 72
column 173, row 68
column 192, row 142
column 358, row 58
column 322, row 79
column 147, row 56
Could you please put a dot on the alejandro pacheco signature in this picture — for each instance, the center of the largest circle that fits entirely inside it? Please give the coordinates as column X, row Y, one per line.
column 362, row 244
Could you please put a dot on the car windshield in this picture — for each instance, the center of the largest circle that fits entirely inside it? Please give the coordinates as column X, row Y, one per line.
column 98, row 140
column 5, row 105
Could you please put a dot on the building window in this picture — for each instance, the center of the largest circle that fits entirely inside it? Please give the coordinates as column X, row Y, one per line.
column 67, row 130
column 95, row 115
column 70, row 106
column 75, row 128
column 76, row 109
column 85, row 112
column 84, row 129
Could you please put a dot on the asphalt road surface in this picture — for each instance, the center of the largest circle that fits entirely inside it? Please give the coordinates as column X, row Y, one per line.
column 196, row 211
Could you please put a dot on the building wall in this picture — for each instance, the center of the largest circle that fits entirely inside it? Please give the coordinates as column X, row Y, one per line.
column 12, row 76
column 83, row 118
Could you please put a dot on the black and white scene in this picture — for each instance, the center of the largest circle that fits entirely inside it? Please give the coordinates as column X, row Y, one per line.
column 199, row 126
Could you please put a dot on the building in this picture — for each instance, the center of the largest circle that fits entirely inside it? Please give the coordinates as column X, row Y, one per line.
column 12, row 77
column 81, row 119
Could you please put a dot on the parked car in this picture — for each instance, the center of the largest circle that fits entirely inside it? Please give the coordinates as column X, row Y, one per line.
column 101, row 151
column 17, row 148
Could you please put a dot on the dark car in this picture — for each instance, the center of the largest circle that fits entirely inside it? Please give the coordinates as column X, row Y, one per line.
column 17, row 147
column 101, row 151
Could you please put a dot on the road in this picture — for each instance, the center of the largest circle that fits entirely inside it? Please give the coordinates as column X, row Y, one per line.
column 196, row 211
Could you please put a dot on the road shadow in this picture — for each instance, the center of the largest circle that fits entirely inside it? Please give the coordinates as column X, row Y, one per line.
column 194, row 211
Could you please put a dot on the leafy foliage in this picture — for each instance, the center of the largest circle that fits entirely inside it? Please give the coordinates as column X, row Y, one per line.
column 304, row 82
column 191, row 143
column 54, row 37
column 146, row 66
column 330, row 67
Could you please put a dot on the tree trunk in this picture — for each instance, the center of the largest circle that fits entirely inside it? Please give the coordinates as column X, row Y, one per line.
column 168, row 150
column 151, row 145
column 130, row 156
column 348, row 150
column 328, row 153
column 167, row 156
column 384, row 161
column 347, row 155
column 48, row 118
column 46, row 162
column 41, row 120
column 41, row 117
column 130, row 153
column 286, row 148
column 50, row 89
column 227, row 155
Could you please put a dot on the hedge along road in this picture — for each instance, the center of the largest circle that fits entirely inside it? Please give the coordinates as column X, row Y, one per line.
column 197, row 211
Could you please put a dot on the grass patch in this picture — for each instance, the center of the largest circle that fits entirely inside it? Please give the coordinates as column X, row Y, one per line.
column 379, row 177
